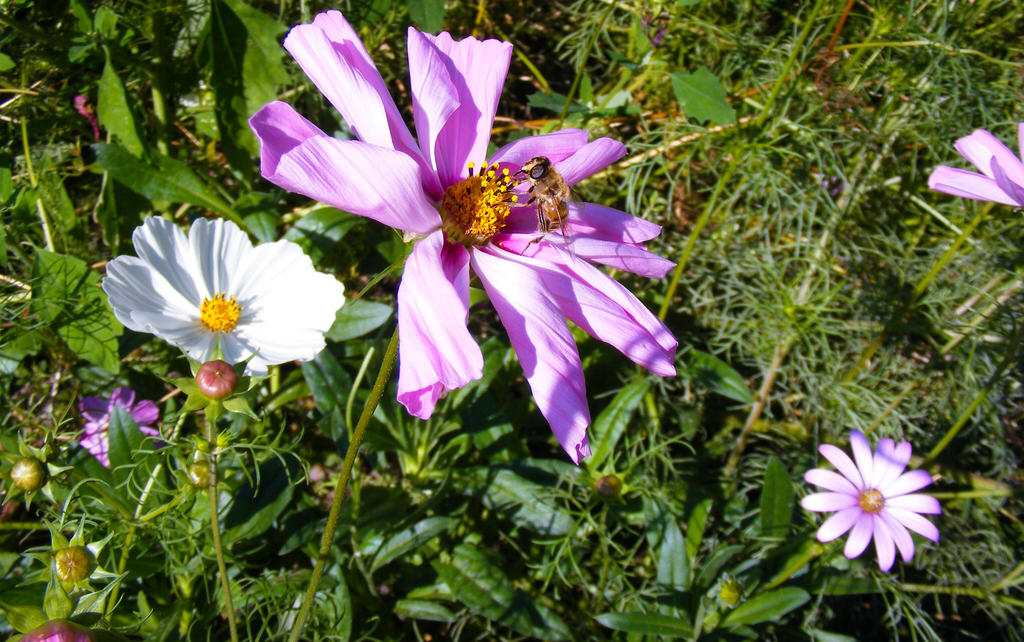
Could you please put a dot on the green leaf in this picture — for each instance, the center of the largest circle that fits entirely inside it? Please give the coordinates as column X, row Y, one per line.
column 163, row 180
column 702, row 96
column 525, row 502
column 260, row 501
column 424, row 610
column 718, row 376
column 427, row 15
column 328, row 381
column 104, row 22
column 6, row 188
column 356, row 318
column 776, row 500
column 66, row 295
column 115, row 113
column 486, row 590
column 610, row 425
column 410, row 538
column 21, row 606
column 767, row 607
column 93, row 602
column 647, row 624
column 319, row 232
column 695, row 528
column 57, row 202
column 666, row 540
column 6, row 63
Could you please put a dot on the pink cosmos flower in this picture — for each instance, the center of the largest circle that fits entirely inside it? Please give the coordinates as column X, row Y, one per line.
column 874, row 497
column 96, row 411
column 466, row 220
column 1002, row 173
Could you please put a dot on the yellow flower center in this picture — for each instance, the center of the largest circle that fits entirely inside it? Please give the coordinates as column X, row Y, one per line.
column 474, row 209
column 871, row 501
column 220, row 313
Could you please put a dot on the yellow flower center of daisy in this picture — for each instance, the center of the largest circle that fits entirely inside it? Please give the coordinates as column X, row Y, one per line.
column 220, row 313
column 474, row 209
column 871, row 501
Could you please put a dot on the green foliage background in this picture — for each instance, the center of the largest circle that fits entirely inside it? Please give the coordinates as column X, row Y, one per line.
column 783, row 146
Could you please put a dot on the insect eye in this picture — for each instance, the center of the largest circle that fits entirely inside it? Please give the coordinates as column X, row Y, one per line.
column 538, row 171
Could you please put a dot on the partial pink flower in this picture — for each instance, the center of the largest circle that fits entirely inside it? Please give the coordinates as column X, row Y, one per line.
column 84, row 109
column 96, row 412
column 874, row 498
column 441, row 188
column 1002, row 172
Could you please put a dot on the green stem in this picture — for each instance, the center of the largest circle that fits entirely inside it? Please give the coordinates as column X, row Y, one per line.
column 684, row 257
column 43, row 221
column 583, row 63
column 218, row 549
column 1008, row 357
column 339, row 493
column 22, row 526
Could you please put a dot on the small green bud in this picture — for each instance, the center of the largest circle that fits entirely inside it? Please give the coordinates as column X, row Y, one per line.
column 223, row 440
column 731, row 591
column 28, row 474
column 74, row 563
column 608, row 486
column 216, row 379
column 199, row 474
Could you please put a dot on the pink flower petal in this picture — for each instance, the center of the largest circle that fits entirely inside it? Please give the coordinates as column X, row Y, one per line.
column 476, row 70
column 1006, row 183
column 900, row 535
column 544, row 345
column 890, row 461
column 916, row 502
column 145, row 413
column 838, row 524
column 122, row 396
column 624, row 256
column 591, row 158
column 860, row 536
column 334, row 172
column 436, row 97
column 907, row 483
column 914, row 522
column 831, row 481
column 843, row 464
column 435, row 350
column 332, row 56
column 1020, row 139
column 981, row 148
column 556, row 146
column 958, row 182
column 883, row 544
column 828, row 502
column 862, row 455
column 600, row 222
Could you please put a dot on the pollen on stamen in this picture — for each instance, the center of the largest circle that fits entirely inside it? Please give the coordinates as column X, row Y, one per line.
column 871, row 501
column 220, row 313
column 475, row 208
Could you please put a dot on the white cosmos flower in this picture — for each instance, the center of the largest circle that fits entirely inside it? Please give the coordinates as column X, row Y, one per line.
column 214, row 286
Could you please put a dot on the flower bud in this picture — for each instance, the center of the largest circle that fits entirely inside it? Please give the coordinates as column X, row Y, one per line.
column 74, row 563
column 59, row 631
column 28, row 474
column 199, row 474
column 731, row 591
column 608, row 486
column 216, row 379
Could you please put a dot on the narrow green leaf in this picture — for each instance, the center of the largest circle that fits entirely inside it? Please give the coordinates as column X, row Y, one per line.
column 356, row 318
column 328, row 381
column 667, row 543
column 718, row 376
column 647, row 624
column 424, row 610
column 410, row 538
column 695, row 528
column 776, row 500
column 319, row 232
column 104, row 22
column 21, row 606
column 57, row 202
column 610, row 425
column 702, row 96
column 259, row 502
column 766, row 607
column 115, row 113
column 428, row 15
column 486, row 590
column 525, row 502
column 163, row 180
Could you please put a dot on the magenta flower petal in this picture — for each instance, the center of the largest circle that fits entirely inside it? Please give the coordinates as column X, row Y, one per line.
column 556, row 146
column 908, row 482
column 145, row 413
column 862, row 455
column 600, row 222
column 544, row 346
column 830, row 480
column 334, row 172
column 279, row 128
column 838, row 524
column 843, row 463
column 92, row 404
column 592, row 157
column 623, row 256
column 915, row 502
column 884, row 547
column 860, row 536
column 900, row 535
column 828, row 502
column 958, row 182
column 1006, row 182
column 436, row 351
column 914, row 522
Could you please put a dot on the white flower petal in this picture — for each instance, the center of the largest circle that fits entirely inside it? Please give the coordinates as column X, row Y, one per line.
column 916, row 502
column 883, row 543
column 862, row 455
column 830, row 480
column 904, row 542
column 827, row 502
column 860, row 536
column 843, row 464
column 838, row 524
column 914, row 522
column 907, row 483
column 890, row 461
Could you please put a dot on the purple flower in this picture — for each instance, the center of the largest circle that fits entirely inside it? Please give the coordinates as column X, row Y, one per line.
column 59, row 631
column 96, row 411
column 466, row 220
column 1002, row 173
column 83, row 107
column 874, row 497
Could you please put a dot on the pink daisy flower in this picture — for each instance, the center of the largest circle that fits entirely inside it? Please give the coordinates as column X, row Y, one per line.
column 465, row 220
column 96, row 412
column 1002, row 173
column 874, row 498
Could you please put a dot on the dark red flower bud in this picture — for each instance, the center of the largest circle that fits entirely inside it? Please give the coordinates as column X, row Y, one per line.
column 216, row 379
column 608, row 486
column 28, row 474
